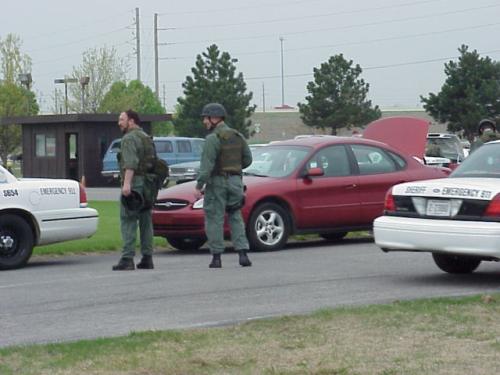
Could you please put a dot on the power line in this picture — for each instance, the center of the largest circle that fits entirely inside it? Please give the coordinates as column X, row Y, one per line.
column 416, row 62
column 377, row 23
column 400, row 37
column 206, row 11
column 81, row 40
column 303, row 17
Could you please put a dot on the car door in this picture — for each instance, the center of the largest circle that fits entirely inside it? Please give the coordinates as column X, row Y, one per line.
column 331, row 200
column 378, row 170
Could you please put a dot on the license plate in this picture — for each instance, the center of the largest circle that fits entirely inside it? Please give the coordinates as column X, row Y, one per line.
column 438, row 208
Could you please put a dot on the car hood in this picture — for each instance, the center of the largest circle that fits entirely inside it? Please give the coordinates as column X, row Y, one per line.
column 186, row 190
column 407, row 134
column 459, row 188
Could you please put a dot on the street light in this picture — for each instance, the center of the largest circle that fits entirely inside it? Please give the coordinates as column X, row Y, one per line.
column 84, row 81
column 26, row 80
column 66, row 81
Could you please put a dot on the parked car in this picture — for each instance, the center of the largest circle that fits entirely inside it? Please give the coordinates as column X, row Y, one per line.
column 444, row 150
column 456, row 219
column 173, row 150
column 39, row 212
column 325, row 185
column 184, row 172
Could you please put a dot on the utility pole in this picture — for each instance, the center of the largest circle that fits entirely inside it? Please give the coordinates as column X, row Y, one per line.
column 138, row 44
column 157, row 80
column 164, row 97
column 282, row 75
column 263, row 98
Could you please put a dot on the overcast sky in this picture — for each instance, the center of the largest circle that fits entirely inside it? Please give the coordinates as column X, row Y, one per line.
column 401, row 45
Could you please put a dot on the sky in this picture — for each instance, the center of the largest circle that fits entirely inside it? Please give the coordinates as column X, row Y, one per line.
column 401, row 45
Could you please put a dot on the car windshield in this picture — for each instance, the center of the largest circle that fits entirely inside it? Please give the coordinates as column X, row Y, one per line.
column 445, row 148
column 276, row 161
column 484, row 162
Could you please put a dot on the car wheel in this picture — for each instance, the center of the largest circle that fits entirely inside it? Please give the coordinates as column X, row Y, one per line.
column 185, row 243
column 16, row 242
column 268, row 228
column 456, row 263
column 333, row 236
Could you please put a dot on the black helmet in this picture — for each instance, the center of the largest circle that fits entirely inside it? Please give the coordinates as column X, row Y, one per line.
column 133, row 202
column 486, row 123
column 214, row 110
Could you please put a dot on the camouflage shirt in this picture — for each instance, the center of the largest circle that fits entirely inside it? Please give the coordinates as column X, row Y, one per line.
column 211, row 150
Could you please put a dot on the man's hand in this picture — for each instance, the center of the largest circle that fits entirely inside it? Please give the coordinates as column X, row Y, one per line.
column 127, row 182
column 198, row 193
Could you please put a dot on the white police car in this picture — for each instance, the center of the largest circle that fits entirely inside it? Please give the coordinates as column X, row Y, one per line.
column 39, row 212
column 457, row 218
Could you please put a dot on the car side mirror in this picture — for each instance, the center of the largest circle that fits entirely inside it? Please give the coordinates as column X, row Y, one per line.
column 315, row 172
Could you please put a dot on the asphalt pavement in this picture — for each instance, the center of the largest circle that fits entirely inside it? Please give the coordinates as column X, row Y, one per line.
column 79, row 297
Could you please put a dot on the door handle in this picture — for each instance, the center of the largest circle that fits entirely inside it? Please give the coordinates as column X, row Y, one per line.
column 350, row 186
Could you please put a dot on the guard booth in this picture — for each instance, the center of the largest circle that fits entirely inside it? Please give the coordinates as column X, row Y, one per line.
column 70, row 146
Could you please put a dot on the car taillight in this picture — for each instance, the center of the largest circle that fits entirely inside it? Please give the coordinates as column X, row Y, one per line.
column 493, row 209
column 389, row 204
column 83, row 196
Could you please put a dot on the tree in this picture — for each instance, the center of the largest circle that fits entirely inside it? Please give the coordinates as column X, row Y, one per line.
column 214, row 79
column 14, row 101
column 138, row 97
column 103, row 67
column 470, row 93
column 337, row 97
column 14, row 62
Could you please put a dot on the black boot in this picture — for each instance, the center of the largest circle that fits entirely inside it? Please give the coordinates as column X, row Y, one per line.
column 125, row 264
column 146, row 263
column 244, row 261
column 216, row 262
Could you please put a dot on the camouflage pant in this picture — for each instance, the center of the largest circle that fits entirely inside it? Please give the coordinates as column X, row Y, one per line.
column 128, row 226
column 222, row 193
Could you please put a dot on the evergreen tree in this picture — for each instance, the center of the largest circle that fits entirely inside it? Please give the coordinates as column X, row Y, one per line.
column 470, row 93
column 214, row 79
column 337, row 97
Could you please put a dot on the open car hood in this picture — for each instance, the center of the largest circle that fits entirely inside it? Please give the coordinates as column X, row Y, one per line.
column 407, row 134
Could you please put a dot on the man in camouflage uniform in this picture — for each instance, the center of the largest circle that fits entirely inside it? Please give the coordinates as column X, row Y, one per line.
column 135, row 158
column 487, row 132
column 225, row 154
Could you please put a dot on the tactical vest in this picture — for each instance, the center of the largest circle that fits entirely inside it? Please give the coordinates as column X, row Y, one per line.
column 231, row 148
column 147, row 161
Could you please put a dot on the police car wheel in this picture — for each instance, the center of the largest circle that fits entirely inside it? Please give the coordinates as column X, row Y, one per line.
column 268, row 227
column 16, row 242
column 185, row 243
column 333, row 236
column 456, row 263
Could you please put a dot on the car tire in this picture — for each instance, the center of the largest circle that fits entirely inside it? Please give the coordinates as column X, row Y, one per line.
column 333, row 236
column 16, row 242
column 185, row 243
column 268, row 227
column 458, row 264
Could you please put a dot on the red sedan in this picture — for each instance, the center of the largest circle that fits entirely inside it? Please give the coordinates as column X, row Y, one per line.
column 324, row 185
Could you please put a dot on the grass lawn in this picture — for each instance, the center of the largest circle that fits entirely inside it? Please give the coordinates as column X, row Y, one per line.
column 434, row 336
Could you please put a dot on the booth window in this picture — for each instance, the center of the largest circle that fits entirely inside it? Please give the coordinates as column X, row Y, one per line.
column 45, row 145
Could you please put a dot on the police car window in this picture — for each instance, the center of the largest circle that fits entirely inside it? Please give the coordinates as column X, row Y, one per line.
column 372, row 160
column 164, row 147
column 184, row 146
column 333, row 160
